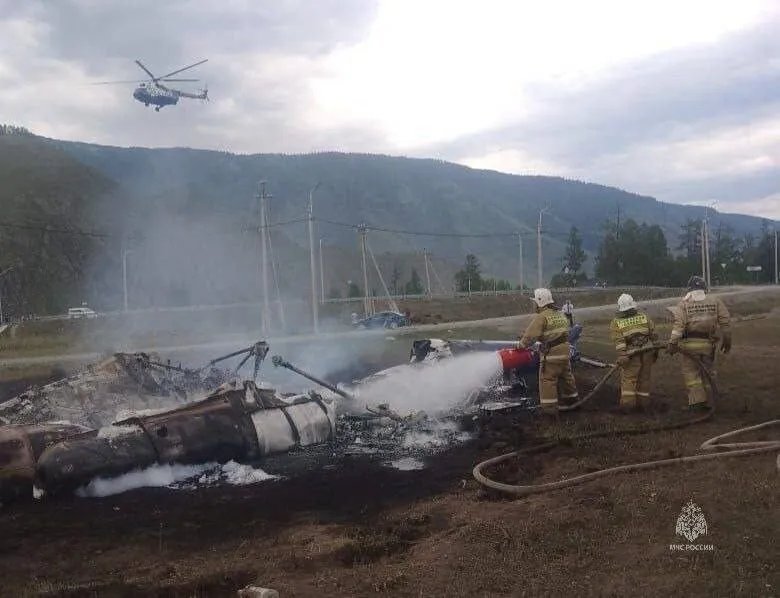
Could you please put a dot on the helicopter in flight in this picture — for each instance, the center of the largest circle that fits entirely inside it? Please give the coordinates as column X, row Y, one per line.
column 153, row 92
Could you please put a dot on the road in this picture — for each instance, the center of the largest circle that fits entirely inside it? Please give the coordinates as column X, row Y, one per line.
column 509, row 324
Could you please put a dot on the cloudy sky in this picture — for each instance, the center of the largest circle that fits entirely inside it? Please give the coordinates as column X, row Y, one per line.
column 679, row 99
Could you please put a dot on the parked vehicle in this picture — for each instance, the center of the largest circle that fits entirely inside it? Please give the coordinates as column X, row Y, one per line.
column 81, row 312
column 383, row 319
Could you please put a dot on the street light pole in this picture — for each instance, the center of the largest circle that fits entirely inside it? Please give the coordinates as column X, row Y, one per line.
column 322, row 276
column 520, row 248
column 124, row 275
column 266, row 318
column 777, row 267
column 539, row 247
column 312, row 266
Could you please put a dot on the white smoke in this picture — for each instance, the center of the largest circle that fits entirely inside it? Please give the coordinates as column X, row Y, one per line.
column 434, row 389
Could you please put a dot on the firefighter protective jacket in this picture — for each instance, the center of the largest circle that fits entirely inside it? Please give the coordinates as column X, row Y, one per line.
column 700, row 317
column 551, row 328
column 632, row 331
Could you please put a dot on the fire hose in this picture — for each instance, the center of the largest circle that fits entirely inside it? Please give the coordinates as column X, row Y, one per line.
column 713, row 444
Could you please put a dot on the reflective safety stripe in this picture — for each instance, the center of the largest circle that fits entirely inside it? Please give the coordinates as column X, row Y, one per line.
column 575, row 396
column 639, row 322
column 694, row 383
column 643, row 394
column 557, row 326
column 696, row 343
column 634, row 330
column 556, row 358
column 548, row 401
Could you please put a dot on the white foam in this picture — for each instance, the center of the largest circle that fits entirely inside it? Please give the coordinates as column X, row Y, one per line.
column 172, row 476
column 238, row 474
column 407, row 464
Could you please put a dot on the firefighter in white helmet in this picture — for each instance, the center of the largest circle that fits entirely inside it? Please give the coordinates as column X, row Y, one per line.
column 700, row 322
column 551, row 329
column 630, row 332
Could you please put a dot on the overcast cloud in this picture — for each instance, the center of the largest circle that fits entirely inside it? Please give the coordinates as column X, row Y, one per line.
column 679, row 100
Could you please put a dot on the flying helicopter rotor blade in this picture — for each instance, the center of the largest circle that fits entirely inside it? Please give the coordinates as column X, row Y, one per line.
column 180, row 80
column 183, row 69
column 118, row 82
column 146, row 70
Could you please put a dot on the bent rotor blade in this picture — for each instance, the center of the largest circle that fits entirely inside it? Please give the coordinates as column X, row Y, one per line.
column 146, row 70
column 184, row 68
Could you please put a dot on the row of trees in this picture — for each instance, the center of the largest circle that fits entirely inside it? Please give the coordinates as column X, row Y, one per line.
column 639, row 254
column 632, row 253
column 469, row 278
column 14, row 130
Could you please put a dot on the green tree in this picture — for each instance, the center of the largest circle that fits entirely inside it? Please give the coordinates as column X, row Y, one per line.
column 574, row 258
column 354, row 290
column 414, row 286
column 634, row 254
column 469, row 278
column 395, row 278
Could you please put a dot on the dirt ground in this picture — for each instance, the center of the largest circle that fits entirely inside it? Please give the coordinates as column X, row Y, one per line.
column 356, row 528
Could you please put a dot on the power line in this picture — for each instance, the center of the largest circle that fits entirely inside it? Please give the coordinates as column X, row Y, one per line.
column 104, row 235
column 432, row 234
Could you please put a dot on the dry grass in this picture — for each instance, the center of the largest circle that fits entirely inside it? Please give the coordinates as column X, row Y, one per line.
column 607, row 538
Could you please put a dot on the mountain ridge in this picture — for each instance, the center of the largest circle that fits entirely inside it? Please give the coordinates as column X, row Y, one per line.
column 197, row 211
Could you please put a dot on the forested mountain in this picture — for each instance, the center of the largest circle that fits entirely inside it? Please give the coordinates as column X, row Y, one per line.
column 188, row 220
column 45, row 195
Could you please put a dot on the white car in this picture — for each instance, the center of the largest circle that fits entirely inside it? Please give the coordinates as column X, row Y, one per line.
column 81, row 312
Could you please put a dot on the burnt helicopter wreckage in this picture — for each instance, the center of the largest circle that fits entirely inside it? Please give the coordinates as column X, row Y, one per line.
column 100, row 392
column 248, row 423
column 94, row 397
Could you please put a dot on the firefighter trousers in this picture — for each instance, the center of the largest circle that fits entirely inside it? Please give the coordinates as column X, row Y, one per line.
column 635, row 379
column 694, row 383
column 553, row 372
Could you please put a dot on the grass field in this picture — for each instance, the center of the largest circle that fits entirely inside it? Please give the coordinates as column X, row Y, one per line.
column 347, row 531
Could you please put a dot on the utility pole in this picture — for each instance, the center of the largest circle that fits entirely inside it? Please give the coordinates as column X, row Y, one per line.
column 314, row 302
column 362, row 230
column 777, row 267
column 322, row 277
column 703, row 249
column 266, row 317
column 124, row 275
column 427, row 273
column 539, row 276
column 520, row 248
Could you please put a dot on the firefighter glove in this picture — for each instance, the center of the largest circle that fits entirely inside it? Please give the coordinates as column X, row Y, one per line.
column 622, row 360
column 725, row 344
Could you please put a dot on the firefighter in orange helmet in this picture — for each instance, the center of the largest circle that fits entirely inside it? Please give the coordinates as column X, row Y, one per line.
column 551, row 329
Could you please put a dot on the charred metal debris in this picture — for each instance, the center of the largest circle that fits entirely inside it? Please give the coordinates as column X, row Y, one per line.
column 132, row 411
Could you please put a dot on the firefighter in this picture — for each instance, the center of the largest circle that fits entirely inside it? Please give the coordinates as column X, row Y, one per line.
column 631, row 331
column 550, row 328
column 699, row 323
